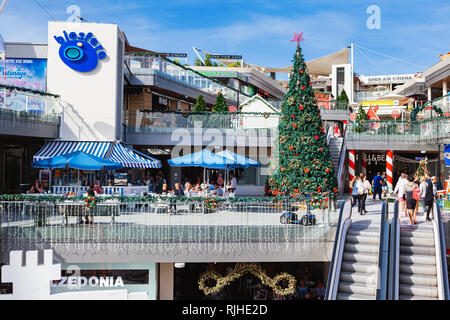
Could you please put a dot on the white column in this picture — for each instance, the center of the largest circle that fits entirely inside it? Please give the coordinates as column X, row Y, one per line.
column 429, row 93
column 444, row 92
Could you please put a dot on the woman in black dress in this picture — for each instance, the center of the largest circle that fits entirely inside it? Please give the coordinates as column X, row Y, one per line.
column 408, row 196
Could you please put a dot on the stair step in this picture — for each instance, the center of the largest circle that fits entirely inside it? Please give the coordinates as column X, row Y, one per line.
column 371, row 232
column 358, row 288
column 422, row 280
column 361, row 257
column 361, row 248
column 418, row 259
column 416, row 241
column 358, row 277
column 359, row 267
column 409, row 297
column 417, row 290
column 351, row 296
column 363, row 238
column 417, row 269
column 417, row 234
column 417, row 250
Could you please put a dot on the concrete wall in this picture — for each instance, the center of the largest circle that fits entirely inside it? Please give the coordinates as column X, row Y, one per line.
column 93, row 100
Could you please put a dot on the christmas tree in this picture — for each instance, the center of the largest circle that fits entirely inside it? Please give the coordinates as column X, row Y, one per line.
column 220, row 105
column 422, row 169
column 305, row 169
column 200, row 104
column 360, row 120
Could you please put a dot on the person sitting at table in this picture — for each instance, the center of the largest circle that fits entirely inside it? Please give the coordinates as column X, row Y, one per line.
column 219, row 190
column 198, row 187
column 178, row 191
column 97, row 187
column 37, row 187
column 165, row 189
column 187, row 189
column 204, row 185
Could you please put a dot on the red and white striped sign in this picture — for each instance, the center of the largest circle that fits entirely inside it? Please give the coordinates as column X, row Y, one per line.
column 351, row 166
column 389, row 168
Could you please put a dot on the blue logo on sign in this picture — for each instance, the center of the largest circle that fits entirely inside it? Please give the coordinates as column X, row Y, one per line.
column 80, row 52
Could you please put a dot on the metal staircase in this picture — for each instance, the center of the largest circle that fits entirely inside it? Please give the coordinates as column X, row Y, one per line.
column 417, row 272
column 417, row 262
column 335, row 147
column 359, row 269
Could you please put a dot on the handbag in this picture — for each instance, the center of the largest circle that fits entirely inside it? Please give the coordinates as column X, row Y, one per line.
column 416, row 192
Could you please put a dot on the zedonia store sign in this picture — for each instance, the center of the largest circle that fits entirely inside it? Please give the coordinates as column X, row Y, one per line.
column 79, row 51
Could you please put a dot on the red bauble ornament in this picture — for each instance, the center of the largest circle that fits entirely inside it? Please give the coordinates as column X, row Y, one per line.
column 327, row 170
column 294, row 125
column 317, row 137
column 303, row 87
column 292, row 116
column 291, row 148
column 301, row 107
column 306, row 170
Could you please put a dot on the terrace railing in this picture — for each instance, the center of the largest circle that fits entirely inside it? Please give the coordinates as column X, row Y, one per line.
column 162, row 225
column 141, row 64
column 428, row 131
column 23, row 104
column 155, row 121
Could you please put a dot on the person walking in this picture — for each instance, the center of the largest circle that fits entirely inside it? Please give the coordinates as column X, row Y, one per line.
column 355, row 195
column 408, row 196
column 363, row 186
column 384, row 186
column 429, row 197
column 376, row 185
column 423, row 189
column 400, row 190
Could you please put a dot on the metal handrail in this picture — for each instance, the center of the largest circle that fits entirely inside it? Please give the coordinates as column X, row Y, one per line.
column 383, row 253
column 443, row 261
column 341, row 162
column 393, row 256
column 333, row 262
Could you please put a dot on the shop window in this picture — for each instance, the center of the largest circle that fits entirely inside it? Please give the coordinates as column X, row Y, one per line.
column 248, row 177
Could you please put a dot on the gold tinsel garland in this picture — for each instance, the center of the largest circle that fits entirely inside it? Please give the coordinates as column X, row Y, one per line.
column 238, row 271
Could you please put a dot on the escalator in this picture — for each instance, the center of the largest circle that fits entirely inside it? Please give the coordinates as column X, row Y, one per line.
column 359, row 264
column 417, row 260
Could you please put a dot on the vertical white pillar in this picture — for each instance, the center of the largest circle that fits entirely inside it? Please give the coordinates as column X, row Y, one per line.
column 444, row 92
column 429, row 93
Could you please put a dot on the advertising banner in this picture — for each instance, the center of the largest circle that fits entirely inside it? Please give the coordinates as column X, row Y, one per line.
column 23, row 73
column 447, row 155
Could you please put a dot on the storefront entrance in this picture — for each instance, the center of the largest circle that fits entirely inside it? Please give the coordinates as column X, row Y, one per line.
column 310, row 276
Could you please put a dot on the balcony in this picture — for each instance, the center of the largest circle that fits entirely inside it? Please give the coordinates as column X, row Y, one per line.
column 147, row 68
column 24, row 113
column 329, row 109
column 197, row 128
column 400, row 135
column 181, row 230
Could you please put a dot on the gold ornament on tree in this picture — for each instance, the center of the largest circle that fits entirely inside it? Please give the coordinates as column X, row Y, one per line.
column 238, row 271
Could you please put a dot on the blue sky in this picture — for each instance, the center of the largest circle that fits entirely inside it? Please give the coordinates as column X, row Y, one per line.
column 260, row 30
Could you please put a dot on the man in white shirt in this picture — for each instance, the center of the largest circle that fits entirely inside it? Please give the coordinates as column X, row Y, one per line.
column 400, row 191
column 233, row 182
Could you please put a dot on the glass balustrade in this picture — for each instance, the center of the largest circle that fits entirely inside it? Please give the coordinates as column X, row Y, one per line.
column 17, row 104
column 154, row 121
column 144, row 65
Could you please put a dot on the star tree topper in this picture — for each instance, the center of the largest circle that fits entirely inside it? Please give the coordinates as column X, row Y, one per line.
column 298, row 37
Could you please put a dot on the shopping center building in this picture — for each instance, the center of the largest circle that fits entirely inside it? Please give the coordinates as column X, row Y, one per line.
column 133, row 106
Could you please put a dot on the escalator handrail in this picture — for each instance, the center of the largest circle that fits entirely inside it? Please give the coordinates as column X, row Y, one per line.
column 393, row 256
column 383, row 253
column 443, row 260
column 333, row 262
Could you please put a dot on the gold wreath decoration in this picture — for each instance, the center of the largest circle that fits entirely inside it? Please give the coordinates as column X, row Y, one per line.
column 238, row 271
